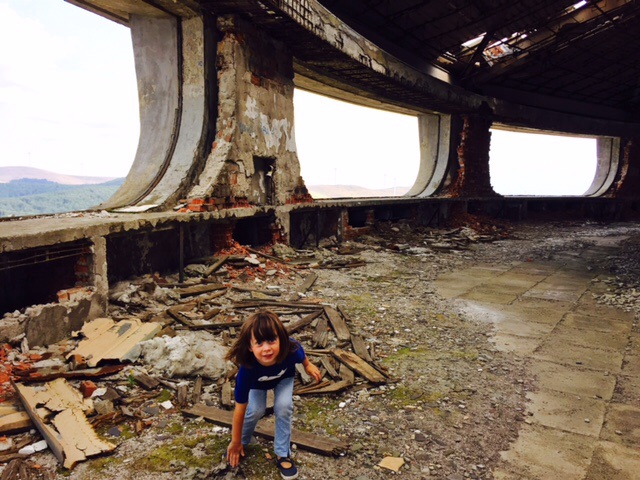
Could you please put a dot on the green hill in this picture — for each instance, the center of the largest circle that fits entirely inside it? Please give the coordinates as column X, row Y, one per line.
column 34, row 196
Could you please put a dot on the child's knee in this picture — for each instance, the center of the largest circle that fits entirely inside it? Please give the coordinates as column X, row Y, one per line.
column 283, row 409
column 257, row 412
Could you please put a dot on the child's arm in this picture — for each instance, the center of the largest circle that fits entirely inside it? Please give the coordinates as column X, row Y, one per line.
column 311, row 370
column 235, row 449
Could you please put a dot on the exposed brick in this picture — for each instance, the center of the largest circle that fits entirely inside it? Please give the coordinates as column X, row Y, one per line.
column 87, row 387
column 473, row 176
column 222, row 236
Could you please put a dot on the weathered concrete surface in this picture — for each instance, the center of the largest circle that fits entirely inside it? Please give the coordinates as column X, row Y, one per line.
column 253, row 157
column 583, row 420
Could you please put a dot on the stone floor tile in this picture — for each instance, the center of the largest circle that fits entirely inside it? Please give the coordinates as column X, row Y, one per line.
column 573, row 380
column 485, row 294
column 519, row 327
column 586, row 337
column 548, row 454
column 612, row 461
column 557, row 350
column 597, row 322
column 567, row 412
column 605, row 312
column 622, row 425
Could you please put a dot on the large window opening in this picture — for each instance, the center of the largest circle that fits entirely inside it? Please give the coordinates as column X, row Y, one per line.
column 347, row 150
column 68, row 106
column 538, row 164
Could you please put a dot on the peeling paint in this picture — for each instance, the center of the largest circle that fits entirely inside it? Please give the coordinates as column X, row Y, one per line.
column 252, row 108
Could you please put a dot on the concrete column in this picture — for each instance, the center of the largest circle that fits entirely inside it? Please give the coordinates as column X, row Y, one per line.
column 473, row 176
column 435, row 140
column 100, row 298
column 253, row 160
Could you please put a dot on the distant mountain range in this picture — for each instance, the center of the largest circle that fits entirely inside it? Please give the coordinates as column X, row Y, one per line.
column 350, row 191
column 8, row 174
column 32, row 191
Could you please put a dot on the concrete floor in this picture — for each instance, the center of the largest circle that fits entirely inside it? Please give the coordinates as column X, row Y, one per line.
column 583, row 419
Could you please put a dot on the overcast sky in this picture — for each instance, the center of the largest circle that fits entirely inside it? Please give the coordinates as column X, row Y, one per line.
column 68, row 103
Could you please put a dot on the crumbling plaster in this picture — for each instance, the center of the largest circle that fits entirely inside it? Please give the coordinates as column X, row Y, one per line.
column 255, row 119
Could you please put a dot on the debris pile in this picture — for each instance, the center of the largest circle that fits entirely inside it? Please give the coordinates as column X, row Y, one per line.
column 161, row 351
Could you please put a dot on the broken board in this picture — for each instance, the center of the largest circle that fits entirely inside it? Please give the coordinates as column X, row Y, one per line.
column 106, row 340
column 307, row 441
column 355, row 363
column 338, row 324
column 71, row 437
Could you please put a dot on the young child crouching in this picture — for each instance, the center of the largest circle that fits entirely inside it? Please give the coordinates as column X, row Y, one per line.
column 266, row 357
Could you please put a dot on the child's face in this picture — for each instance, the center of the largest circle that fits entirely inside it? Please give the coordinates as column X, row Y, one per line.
column 266, row 351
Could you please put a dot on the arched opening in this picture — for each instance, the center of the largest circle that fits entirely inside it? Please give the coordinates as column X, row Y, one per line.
column 347, row 150
column 536, row 164
column 69, row 106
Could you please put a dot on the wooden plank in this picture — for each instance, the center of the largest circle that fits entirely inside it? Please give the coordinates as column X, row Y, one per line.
column 197, row 390
column 211, row 313
column 303, row 374
column 275, row 303
column 360, row 366
column 221, row 261
column 226, row 395
column 307, row 283
column 338, row 324
column 311, row 388
column 48, row 374
column 333, row 387
column 174, row 312
column 326, row 363
column 265, row 429
column 183, row 391
column 268, row 293
column 347, row 374
column 20, row 421
column 147, row 382
column 199, row 289
column 303, row 322
column 360, row 348
column 15, row 422
column 266, row 255
column 321, row 335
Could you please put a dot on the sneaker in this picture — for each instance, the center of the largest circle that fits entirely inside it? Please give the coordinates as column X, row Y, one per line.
column 287, row 468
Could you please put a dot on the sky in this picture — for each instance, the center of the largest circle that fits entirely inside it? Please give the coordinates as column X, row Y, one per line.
column 69, row 104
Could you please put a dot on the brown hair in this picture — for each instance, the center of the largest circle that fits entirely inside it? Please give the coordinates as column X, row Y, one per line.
column 262, row 325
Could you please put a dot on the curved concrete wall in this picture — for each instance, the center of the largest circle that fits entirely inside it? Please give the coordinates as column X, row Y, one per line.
column 607, row 166
column 155, row 48
column 189, row 146
column 435, row 137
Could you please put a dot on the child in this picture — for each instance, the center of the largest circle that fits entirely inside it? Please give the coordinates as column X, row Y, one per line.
column 266, row 357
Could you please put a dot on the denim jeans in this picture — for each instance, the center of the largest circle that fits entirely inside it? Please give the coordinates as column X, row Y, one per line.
column 283, row 409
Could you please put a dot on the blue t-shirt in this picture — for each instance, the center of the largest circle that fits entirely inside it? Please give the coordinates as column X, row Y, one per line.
column 259, row 377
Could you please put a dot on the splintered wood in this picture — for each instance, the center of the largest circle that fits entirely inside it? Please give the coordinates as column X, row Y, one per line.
column 69, row 435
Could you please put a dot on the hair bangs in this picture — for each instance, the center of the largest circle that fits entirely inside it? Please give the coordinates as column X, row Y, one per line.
column 265, row 329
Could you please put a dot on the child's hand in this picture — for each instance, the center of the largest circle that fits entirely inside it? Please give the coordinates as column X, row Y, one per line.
column 234, row 452
column 313, row 371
